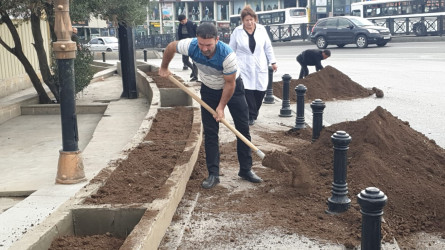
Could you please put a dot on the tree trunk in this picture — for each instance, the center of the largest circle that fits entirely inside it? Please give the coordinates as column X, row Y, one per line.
column 18, row 52
column 48, row 78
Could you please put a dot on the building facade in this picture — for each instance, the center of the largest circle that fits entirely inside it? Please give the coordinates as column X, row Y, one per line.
column 162, row 18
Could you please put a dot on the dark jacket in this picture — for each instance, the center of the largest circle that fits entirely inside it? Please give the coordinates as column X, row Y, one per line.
column 191, row 30
column 312, row 57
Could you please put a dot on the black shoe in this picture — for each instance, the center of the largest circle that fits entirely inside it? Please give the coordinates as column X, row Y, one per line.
column 185, row 68
column 194, row 79
column 251, row 122
column 210, row 182
column 250, row 176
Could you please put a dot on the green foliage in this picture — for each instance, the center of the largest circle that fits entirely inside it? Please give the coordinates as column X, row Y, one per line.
column 83, row 72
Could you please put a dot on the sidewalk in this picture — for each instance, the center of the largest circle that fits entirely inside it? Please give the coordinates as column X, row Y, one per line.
column 30, row 152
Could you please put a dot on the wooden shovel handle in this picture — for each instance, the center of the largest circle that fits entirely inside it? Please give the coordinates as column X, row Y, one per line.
column 213, row 112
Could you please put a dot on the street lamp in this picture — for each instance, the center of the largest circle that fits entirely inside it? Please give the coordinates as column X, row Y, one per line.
column 70, row 166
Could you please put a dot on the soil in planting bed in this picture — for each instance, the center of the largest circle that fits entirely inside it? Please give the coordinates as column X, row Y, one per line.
column 328, row 84
column 141, row 177
column 162, row 82
column 93, row 242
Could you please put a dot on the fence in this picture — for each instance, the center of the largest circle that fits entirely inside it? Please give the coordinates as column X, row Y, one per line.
column 419, row 26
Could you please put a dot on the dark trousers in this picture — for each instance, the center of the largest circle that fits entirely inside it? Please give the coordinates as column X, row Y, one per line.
column 254, row 100
column 240, row 114
column 186, row 61
column 304, row 70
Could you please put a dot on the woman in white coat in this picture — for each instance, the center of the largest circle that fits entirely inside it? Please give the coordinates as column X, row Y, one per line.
column 254, row 53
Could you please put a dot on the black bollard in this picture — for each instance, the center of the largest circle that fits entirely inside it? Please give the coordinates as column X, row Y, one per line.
column 317, row 117
column 300, row 91
column 285, row 110
column 371, row 201
column 103, row 56
column 339, row 201
column 145, row 55
column 269, row 99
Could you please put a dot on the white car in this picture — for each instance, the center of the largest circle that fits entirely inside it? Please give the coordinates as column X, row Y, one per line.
column 107, row 43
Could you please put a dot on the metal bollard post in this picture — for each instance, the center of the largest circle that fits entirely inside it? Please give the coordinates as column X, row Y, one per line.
column 371, row 201
column 339, row 201
column 269, row 99
column 300, row 91
column 317, row 117
column 145, row 55
column 285, row 110
column 103, row 56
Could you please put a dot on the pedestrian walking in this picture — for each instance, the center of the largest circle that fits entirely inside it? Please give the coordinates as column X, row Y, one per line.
column 254, row 54
column 311, row 57
column 187, row 29
column 221, row 86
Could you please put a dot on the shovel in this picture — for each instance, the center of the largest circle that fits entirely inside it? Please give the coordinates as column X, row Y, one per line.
column 213, row 112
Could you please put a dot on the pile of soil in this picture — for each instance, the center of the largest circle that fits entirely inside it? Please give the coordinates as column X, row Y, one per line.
column 328, row 84
column 385, row 152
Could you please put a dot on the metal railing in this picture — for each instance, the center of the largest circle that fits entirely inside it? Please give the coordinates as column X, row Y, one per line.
column 157, row 41
column 419, row 26
column 282, row 33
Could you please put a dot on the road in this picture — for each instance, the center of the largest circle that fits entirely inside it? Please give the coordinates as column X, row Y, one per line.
column 411, row 75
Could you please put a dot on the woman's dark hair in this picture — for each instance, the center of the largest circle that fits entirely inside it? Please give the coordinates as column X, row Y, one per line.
column 207, row 30
column 248, row 11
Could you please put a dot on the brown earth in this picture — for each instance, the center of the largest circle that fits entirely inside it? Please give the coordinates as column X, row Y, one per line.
column 384, row 152
column 328, row 84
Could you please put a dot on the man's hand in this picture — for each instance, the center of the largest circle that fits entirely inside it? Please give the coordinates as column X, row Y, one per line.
column 219, row 114
column 164, row 72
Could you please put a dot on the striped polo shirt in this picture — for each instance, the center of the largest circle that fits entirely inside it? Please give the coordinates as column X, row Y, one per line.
column 211, row 71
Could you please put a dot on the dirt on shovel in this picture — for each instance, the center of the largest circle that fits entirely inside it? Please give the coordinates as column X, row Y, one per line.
column 286, row 163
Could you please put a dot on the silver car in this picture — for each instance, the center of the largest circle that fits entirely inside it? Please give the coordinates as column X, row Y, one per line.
column 107, row 43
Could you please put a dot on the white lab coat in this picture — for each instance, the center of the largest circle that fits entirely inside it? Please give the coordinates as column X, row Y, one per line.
column 253, row 67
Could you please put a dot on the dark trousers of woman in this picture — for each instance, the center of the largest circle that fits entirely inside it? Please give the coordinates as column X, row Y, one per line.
column 254, row 100
column 239, row 111
column 186, row 61
column 304, row 70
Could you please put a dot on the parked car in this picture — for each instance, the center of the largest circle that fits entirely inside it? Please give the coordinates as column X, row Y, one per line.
column 344, row 30
column 103, row 44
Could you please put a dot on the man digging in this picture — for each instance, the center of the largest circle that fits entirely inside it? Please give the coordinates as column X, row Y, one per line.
column 220, row 87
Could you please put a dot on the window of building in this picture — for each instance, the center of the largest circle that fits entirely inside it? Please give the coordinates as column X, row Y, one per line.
column 222, row 11
column 193, row 11
column 207, row 11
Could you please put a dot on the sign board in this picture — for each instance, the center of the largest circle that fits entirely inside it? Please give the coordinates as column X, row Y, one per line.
column 155, row 24
column 321, row 10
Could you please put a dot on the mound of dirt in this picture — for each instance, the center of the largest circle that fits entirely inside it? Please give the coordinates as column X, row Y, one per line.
column 385, row 152
column 328, row 84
